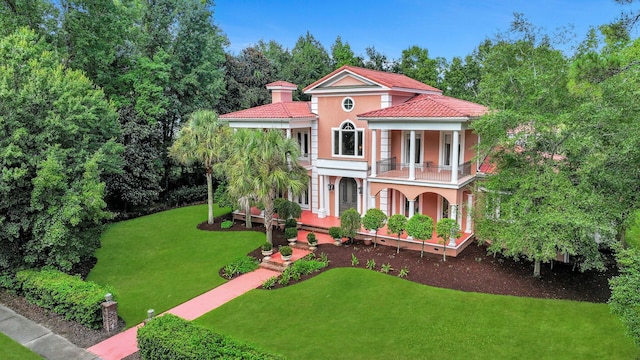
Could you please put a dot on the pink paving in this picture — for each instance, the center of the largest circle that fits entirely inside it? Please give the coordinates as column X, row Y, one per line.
column 124, row 343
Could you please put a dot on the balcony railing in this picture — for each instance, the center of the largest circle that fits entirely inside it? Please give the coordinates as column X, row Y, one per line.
column 425, row 171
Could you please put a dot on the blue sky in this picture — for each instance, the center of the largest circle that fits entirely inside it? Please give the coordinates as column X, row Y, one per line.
column 446, row 28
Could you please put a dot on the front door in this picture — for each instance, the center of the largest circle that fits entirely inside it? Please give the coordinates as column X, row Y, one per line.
column 348, row 194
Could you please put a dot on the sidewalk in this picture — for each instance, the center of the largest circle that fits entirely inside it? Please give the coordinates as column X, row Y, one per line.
column 125, row 344
column 39, row 339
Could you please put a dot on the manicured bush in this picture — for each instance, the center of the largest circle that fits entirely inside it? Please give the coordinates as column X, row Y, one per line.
column 285, row 250
column 291, row 233
column 64, row 294
column 267, row 246
column 291, row 223
column 335, row 232
column 170, row 337
column 311, row 238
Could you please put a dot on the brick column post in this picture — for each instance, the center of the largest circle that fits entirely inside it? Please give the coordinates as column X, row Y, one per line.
column 109, row 314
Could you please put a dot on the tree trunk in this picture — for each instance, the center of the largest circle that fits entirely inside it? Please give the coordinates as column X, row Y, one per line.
column 444, row 252
column 268, row 217
column 422, row 250
column 536, row 269
column 398, row 249
column 210, row 195
column 247, row 215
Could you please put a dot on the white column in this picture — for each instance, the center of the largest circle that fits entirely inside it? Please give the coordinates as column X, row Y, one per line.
column 455, row 156
column 469, row 207
column 374, row 149
column 412, row 155
column 321, row 191
column 365, row 195
column 288, row 133
column 454, row 216
column 412, row 207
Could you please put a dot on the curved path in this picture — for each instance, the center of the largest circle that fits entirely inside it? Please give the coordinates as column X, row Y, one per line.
column 124, row 343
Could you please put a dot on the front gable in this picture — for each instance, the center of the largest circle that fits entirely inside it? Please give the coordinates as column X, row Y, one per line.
column 348, row 80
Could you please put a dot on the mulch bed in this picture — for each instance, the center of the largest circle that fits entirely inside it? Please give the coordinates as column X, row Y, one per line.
column 473, row 270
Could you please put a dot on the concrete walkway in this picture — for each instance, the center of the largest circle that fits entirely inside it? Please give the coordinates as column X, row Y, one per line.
column 124, row 343
column 39, row 339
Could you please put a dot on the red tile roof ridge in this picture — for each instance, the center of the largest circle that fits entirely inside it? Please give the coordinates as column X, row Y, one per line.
column 290, row 109
column 388, row 79
column 281, row 83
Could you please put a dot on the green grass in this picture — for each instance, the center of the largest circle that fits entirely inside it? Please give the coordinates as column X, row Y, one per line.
column 12, row 350
column 632, row 236
column 359, row 314
column 162, row 260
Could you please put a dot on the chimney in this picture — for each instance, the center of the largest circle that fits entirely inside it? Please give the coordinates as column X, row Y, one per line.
column 281, row 91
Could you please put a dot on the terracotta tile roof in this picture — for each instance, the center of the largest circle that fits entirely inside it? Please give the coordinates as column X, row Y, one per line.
column 281, row 110
column 387, row 79
column 429, row 106
column 281, row 83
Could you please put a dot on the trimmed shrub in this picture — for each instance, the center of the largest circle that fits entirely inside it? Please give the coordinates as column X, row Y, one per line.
column 67, row 295
column 170, row 337
column 290, row 233
column 227, row 224
column 187, row 195
column 291, row 223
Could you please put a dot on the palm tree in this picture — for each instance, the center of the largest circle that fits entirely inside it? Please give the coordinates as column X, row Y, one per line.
column 202, row 140
column 238, row 170
column 268, row 163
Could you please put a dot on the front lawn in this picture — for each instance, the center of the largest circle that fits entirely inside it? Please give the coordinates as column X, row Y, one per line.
column 360, row 314
column 10, row 350
column 162, row 260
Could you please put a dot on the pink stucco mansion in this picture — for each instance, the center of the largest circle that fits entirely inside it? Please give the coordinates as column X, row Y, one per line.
column 376, row 139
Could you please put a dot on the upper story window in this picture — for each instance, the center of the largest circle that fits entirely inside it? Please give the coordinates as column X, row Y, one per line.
column 347, row 104
column 347, row 140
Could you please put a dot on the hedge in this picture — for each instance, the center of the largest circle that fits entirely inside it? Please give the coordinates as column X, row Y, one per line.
column 173, row 338
column 67, row 295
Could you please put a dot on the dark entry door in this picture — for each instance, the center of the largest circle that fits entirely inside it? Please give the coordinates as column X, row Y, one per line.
column 348, row 194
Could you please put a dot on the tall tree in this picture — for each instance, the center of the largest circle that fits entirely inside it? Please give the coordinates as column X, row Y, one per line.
column 462, row 78
column 270, row 161
column 278, row 57
column 56, row 144
column 377, row 60
column 416, row 64
column 202, row 140
column 38, row 15
column 341, row 54
column 309, row 62
column 544, row 206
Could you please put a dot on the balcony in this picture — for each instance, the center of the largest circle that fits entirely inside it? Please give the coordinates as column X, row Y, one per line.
column 426, row 171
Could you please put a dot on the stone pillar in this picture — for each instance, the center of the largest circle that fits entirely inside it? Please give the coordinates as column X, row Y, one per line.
column 454, row 216
column 322, row 212
column 109, row 314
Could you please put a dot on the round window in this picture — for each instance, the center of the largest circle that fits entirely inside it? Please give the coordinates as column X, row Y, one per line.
column 347, row 104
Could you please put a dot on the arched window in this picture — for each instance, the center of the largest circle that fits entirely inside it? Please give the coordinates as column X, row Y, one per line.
column 347, row 140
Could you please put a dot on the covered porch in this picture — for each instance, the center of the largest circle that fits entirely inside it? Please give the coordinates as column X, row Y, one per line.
column 309, row 221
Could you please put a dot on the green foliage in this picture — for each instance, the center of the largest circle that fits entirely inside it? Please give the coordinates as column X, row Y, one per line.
column 226, row 224
column 385, row 268
column 269, row 283
column 309, row 62
column 311, row 238
column 291, row 233
column 290, row 223
column 403, row 272
column 307, row 265
column 335, row 232
column 396, row 225
column 350, row 223
column 240, row 266
column 285, row 250
column 374, row 219
column 447, row 228
column 416, row 64
column 186, row 195
column 341, row 54
column 354, row 260
column 170, row 337
column 64, row 294
column 625, row 292
column 267, row 246
column 371, row 264
column 421, row 228
column 261, row 164
column 56, row 145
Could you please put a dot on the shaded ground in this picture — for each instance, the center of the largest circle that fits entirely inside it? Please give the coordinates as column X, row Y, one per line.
column 473, row 270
